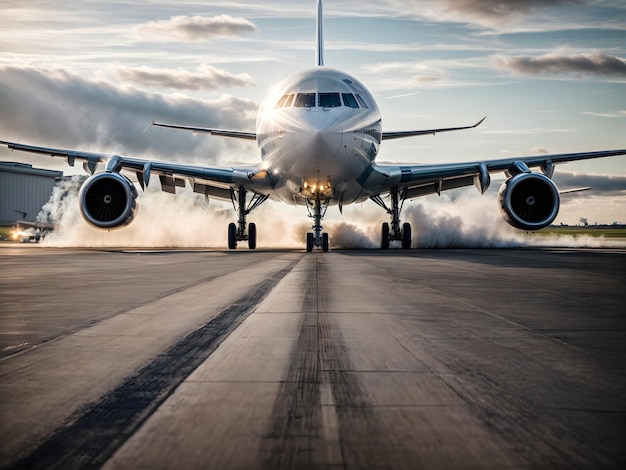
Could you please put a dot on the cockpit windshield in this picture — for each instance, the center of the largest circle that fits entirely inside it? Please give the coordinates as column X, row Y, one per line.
column 324, row 100
column 349, row 100
column 285, row 102
column 329, row 100
column 305, row 100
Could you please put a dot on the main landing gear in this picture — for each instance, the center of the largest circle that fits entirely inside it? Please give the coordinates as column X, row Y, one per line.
column 237, row 232
column 394, row 232
column 317, row 210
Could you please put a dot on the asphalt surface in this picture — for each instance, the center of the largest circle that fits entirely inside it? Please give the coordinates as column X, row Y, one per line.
column 281, row 359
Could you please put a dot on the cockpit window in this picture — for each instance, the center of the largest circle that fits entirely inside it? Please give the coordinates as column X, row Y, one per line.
column 305, row 100
column 282, row 101
column 285, row 102
column 361, row 101
column 329, row 100
column 349, row 100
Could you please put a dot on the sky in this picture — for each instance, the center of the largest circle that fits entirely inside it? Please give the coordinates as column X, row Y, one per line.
column 550, row 75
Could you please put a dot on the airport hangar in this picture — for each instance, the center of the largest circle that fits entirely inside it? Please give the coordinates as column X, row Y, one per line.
column 24, row 190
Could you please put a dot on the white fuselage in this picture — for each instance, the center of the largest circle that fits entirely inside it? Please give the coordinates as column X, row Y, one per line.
column 318, row 133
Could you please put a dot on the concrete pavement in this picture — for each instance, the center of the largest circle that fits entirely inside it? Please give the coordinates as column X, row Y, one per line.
column 355, row 359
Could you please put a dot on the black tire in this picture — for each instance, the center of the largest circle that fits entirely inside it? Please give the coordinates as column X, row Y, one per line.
column 232, row 236
column 252, row 236
column 324, row 242
column 309, row 242
column 406, row 236
column 384, row 240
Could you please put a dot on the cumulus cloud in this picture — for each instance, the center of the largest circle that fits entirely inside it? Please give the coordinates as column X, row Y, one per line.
column 59, row 108
column 608, row 185
column 490, row 11
column 489, row 14
column 193, row 28
column 205, row 78
column 596, row 64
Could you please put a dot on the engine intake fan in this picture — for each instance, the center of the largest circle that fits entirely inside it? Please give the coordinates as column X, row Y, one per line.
column 108, row 200
column 529, row 201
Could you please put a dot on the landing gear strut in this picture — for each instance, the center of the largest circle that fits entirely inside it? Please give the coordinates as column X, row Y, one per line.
column 237, row 232
column 317, row 210
column 394, row 232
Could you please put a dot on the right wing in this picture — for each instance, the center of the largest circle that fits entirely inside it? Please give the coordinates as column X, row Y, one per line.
column 212, row 181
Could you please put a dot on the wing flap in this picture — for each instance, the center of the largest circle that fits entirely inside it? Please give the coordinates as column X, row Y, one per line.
column 212, row 191
column 438, row 186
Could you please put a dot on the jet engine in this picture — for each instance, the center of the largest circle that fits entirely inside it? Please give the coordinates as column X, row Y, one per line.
column 529, row 201
column 108, row 200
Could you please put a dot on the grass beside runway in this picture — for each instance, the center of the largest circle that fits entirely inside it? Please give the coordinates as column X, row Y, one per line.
column 594, row 231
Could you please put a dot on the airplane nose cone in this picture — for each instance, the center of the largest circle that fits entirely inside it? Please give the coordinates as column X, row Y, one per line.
column 319, row 136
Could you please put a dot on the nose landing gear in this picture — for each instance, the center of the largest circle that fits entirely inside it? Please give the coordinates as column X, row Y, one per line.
column 317, row 209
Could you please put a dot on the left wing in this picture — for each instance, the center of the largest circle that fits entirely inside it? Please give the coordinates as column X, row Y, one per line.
column 207, row 130
column 211, row 181
column 420, row 180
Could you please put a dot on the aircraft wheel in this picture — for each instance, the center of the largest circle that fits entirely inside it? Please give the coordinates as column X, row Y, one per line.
column 309, row 242
column 324, row 242
column 252, row 236
column 384, row 242
column 232, row 236
column 406, row 235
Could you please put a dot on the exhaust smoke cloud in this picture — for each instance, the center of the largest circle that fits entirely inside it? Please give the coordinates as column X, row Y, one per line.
column 458, row 219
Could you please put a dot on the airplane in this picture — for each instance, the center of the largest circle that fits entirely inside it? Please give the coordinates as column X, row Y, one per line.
column 318, row 139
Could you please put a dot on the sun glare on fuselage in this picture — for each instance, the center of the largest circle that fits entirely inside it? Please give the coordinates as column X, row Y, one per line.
column 316, row 126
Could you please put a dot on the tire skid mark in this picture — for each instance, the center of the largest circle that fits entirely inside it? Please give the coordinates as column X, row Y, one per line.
column 96, row 431
column 319, row 403
column 295, row 434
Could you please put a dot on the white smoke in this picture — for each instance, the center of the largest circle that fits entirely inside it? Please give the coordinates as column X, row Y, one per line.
column 348, row 235
column 465, row 219
column 458, row 219
column 163, row 220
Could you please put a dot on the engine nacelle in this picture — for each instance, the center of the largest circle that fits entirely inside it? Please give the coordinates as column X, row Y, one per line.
column 529, row 201
column 108, row 200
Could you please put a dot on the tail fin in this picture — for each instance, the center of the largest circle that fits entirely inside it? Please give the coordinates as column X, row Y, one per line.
column 319, row 48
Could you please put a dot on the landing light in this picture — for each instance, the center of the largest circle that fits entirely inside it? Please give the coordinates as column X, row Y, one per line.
column 311, row 190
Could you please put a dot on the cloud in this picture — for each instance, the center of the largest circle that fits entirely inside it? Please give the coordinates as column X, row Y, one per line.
column 608, row 185
column 613, row 115
column 507, row 15
column 491, row 12
column 596, row 64
column 62, row 109
column 205, row 78
column 193, row 28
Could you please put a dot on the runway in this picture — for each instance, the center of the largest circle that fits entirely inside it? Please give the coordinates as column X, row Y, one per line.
column 190, row 359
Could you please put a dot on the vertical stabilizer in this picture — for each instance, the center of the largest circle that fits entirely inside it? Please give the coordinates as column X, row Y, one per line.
column 319, row 46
